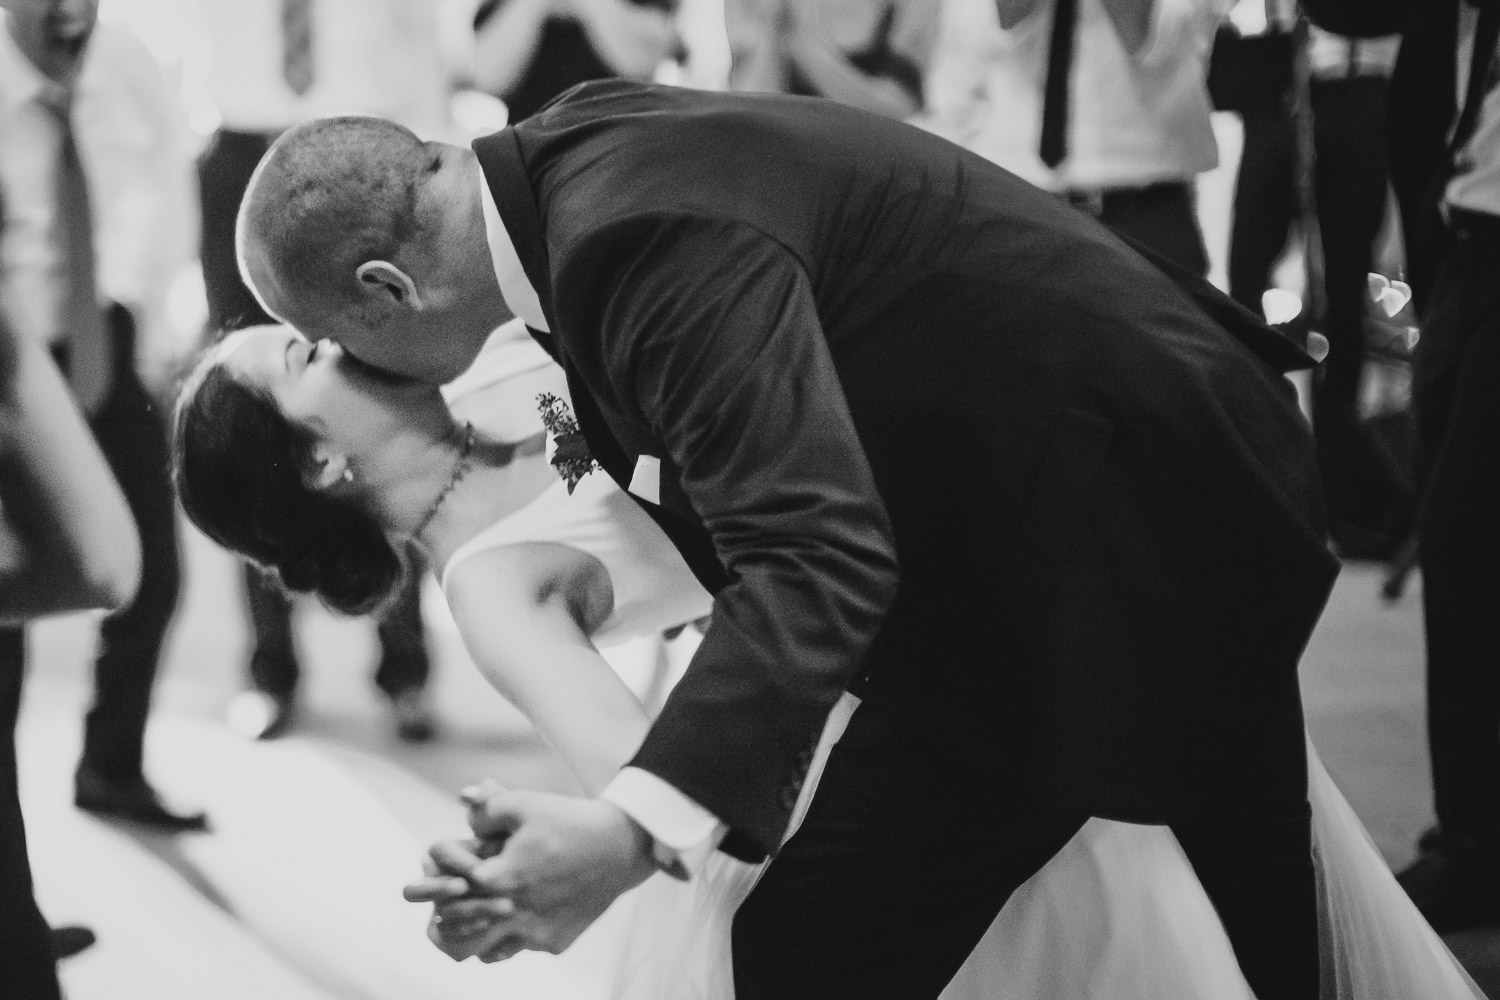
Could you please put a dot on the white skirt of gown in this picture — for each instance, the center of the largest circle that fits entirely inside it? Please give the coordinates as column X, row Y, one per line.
column 1117, row 914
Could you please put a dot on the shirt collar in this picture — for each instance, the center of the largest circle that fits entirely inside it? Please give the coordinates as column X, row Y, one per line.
column 516, row 288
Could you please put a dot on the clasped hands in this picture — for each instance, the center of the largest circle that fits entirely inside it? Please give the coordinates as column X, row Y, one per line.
column 538, row 871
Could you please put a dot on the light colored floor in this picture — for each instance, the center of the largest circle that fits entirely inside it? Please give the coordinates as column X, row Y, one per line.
column 303, row 826
column 295, row 892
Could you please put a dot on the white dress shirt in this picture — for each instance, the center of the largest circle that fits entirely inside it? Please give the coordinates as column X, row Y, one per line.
column 1476, row 185
column 685, row 833
column 1134, row 118
column 1331, row 56
column 376, row 57
column 141, row 182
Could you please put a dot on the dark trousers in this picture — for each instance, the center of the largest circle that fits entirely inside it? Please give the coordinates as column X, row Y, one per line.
column 1164, row 217
column 907, row 855
column 28, row 969
column 1350, row 185
column 404, row 663
column 1366, row 487
column 1265, row 202
column 131, row 432
column 1456, row 391
column 132, row 435
column 223, row 174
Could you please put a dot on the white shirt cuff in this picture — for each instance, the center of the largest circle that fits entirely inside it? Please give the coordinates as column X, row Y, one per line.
column 685, row 833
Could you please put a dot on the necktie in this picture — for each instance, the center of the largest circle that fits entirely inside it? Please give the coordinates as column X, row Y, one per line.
column 1054, row 144
column 79, row 320
column 297, row 44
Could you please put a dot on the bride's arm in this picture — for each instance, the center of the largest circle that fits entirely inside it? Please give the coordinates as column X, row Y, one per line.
column 525, row 613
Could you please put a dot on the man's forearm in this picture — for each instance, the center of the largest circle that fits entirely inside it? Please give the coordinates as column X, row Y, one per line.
column 80, row 542
column 1132, row 21
column 1013, row 12
column 506, row 44
column 836, row 78
column 631, row 39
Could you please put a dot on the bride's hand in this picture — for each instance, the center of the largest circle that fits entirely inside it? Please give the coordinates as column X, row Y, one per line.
column 565, row 860
column 443, row 871
column 461, row 931
column 461, row 938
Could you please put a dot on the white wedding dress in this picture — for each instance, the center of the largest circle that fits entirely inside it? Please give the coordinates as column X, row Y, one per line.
column 1117, row 914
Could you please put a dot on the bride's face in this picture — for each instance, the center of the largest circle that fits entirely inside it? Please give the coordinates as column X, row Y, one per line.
column 318, row 386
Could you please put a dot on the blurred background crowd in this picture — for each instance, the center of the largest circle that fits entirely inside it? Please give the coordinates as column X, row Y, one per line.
column 1244, row 141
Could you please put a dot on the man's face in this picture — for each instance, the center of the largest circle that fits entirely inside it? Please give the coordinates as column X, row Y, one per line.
column 420, row 345
column 53, row 33
column 426, row 344
column 433, row 308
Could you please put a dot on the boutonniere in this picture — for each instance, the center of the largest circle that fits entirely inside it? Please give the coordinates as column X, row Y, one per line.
column 570, row 452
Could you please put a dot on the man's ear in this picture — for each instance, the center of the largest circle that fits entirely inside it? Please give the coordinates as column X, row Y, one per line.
column 328, row 468
column 388, row 284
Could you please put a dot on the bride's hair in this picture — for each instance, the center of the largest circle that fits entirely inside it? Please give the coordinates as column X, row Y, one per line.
column 239, row 468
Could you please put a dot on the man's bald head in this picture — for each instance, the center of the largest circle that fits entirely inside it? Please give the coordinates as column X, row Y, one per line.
column 330, row 195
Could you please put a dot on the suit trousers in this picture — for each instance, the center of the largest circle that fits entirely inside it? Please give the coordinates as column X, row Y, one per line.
column 908, row 853
column 1456, row 374
column 1365, row 486
column 404, row 663
column 27, row 966
column 224, row 173
column 1164, row 217
column 131, row 432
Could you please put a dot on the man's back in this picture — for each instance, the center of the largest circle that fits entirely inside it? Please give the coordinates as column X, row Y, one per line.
column 1011, row 368
column 881, row 216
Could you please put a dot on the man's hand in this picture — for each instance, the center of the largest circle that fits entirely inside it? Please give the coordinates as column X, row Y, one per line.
column 565, row 860
column 470, row 930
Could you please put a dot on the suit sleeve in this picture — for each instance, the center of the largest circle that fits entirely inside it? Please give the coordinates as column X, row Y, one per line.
column 710, row 333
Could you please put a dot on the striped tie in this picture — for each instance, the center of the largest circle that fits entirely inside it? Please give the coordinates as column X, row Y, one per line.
column 297, row 44
column 78, row 321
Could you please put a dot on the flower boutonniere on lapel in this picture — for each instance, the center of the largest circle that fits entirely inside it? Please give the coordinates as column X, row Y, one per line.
column 569, row 452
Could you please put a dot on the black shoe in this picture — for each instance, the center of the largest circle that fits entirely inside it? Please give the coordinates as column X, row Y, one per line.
column 1456, row 887
column 132, row 799
column 257, row 715
column 414, row 721
column 70, row 939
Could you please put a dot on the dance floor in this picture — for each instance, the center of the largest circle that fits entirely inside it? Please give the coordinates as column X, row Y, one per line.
column 295, row 892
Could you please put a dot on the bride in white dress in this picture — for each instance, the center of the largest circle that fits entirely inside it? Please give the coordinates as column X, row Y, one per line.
column 297, row 456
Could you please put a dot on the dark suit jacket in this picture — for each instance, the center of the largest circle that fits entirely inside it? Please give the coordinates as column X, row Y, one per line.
column 930, row 432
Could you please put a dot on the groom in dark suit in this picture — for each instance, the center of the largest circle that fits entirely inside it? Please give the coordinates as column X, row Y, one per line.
column 1046, row 505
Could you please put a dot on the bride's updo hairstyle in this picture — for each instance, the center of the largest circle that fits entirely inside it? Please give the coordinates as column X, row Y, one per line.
column 240, row 467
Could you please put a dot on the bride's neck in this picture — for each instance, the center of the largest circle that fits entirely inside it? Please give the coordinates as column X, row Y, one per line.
column 461, row 494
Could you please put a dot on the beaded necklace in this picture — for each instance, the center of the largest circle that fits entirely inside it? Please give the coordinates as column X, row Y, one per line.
column 460, row 469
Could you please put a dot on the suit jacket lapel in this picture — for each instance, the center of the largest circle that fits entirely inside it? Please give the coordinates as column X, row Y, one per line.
column 500, row 159
column 673, row 514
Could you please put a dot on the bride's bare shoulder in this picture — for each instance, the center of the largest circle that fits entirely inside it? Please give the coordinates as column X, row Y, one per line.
column 532, row 578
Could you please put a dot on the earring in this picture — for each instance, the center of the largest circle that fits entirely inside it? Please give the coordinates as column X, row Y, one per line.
column 348, row 475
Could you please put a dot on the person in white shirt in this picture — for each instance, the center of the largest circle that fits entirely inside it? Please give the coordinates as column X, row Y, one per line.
column 1134, row 114
column 871, row 56
column 99, row 199
column 67, row 543
column 270, row 64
